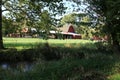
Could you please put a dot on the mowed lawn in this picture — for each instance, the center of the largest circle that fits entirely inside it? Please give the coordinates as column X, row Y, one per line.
column 25, row 43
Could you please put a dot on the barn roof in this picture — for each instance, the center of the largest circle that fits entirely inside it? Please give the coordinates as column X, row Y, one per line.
column 65, row 28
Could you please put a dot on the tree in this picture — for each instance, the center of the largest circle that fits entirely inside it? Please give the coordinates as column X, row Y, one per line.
column 31, row 10
column 1, row 40
column 108, row 12
column 70, row 18
column 7, row 26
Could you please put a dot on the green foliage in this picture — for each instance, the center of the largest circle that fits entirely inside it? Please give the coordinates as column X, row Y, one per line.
column 70, row 18
column 108, row 17
column 77, row 19
column 114, row 77
column 85, row 31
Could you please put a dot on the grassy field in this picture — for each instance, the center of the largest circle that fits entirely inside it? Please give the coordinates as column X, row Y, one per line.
column 25, row 43
column 60, row 60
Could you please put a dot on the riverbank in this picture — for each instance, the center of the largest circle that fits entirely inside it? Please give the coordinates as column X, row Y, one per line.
column 73, row 61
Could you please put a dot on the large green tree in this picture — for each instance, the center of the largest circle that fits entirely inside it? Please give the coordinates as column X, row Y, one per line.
column 70, row 18
column 31, row 11
column 76, row 18
column 108, row 13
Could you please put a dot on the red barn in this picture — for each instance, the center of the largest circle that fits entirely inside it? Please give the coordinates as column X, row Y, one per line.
column 68, row 32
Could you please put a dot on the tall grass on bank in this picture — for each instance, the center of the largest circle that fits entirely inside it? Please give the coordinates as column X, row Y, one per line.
column 101, row 67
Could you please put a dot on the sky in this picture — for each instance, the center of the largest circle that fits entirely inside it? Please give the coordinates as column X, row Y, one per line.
column 71, row 8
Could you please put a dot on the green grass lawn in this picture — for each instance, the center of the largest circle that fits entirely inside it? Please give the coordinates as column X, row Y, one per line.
column 25, row 43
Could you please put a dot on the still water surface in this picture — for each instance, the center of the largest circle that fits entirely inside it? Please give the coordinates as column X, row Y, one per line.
column 21, row 66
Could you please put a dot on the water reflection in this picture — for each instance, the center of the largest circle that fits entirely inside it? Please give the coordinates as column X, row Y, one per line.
column 4, row 66
column 21, row 66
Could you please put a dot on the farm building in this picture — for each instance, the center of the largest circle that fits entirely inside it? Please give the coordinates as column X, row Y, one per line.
column 67, row 32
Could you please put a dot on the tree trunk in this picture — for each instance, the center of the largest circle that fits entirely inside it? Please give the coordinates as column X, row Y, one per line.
column 1, row 40
column 115, row 43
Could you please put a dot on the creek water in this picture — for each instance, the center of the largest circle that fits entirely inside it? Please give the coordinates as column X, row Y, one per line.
column 17, row 67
